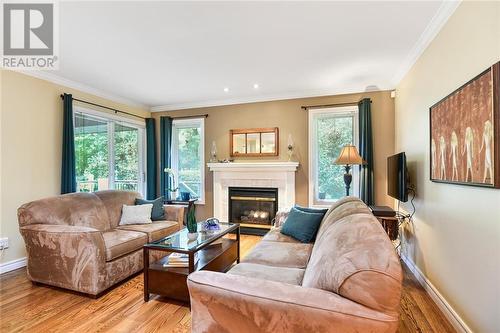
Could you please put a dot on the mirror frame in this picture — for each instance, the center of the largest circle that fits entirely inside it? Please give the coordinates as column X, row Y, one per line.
column 246, row 131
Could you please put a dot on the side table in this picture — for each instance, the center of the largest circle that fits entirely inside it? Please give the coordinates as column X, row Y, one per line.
column 189, row 204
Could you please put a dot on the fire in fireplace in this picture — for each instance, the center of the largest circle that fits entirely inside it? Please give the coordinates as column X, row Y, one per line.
column 253, row 208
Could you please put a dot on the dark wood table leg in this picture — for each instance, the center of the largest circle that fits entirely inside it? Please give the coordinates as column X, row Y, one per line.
column 238, row 244
column 145, row 252
column 191, row 262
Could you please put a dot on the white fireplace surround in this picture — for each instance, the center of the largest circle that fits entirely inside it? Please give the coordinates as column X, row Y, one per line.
column 280, row 175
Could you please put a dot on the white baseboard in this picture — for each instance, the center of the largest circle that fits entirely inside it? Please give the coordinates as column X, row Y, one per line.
column 12, row 265
column 443, row 305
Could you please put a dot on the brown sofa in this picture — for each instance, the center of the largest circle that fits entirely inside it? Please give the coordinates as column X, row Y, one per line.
column 349, row 280
column 73, row 241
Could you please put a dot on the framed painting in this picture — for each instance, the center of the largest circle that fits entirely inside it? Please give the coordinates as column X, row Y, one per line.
column 465, row 133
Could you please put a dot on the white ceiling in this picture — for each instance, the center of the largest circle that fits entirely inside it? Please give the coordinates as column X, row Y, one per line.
column 170, row 55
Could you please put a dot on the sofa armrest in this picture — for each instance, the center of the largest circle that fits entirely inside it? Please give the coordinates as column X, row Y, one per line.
column 175, row 213
column 66, row 256
column 231, row 303
column 280, row 218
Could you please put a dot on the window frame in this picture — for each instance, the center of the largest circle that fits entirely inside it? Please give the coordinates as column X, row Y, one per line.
column 314, row 114
column 111, row 120
column 188, row 123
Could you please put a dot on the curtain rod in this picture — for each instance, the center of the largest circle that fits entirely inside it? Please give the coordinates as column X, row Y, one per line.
column 105, row 107
column 307, row 107
column 192, row 116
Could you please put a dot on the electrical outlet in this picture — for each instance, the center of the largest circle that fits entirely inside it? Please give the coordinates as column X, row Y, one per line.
column 4, row 243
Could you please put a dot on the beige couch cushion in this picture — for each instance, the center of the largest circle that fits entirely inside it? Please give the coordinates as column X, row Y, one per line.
column 280, row 254
column 77, row 209
column 121, row 242
column 155, row 230
column 114, row 200
column 279, row 274
column 355, row 258
column 275, row 235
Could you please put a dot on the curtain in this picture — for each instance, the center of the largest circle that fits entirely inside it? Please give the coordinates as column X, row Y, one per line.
column 165, row 149
column 366, row 190
column 151, row 161
column 68, row 167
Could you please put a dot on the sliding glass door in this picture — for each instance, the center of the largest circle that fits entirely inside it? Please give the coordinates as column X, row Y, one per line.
column 109, row 153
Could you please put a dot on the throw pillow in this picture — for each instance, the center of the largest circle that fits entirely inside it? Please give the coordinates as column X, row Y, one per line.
column 302, row 226
column 158, row 213
column 136, row 214
column 312, row 210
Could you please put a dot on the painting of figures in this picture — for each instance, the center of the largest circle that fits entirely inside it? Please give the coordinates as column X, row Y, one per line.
column 465, row 133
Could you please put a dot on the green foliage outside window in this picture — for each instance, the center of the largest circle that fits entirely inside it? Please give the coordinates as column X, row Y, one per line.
column 333, row 133
column 92, row 156
column 189, row 160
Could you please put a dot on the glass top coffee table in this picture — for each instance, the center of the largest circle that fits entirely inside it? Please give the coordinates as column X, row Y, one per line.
column 210, row 251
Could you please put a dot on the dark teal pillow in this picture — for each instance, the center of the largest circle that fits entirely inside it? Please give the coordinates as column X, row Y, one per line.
column 312, row 210
column 158, row 213
column 302, row 226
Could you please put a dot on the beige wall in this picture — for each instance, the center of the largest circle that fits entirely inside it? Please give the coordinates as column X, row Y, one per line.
column 31, row 121
column 290, row 118
column 455, row 238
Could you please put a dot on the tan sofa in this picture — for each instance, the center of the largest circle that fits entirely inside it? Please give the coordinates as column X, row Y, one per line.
column 73, row 241
column 349, row 280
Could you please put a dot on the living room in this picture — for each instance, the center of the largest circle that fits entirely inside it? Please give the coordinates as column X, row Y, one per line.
column 250, row 166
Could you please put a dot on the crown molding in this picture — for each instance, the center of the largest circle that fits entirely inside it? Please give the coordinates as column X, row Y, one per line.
column 43, row 75
column 442, row 15
column 260, row 98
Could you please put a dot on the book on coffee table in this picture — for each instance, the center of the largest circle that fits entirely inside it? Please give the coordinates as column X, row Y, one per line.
column 179, row 260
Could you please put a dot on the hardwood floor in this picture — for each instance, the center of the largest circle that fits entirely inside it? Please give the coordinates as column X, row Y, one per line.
column 28, row 308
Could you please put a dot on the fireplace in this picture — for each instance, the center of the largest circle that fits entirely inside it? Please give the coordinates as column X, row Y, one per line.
column 253, row 207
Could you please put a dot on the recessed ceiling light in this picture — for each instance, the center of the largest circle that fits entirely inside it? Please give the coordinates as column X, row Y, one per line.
column 226, row 89
column 256, row 86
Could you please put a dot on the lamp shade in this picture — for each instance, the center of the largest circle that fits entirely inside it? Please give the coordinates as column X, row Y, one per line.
column 349, row 155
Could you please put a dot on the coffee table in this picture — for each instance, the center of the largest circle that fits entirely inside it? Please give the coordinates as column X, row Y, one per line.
column 172, row 281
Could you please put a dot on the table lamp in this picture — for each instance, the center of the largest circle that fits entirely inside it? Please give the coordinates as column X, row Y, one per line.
column 349, row 156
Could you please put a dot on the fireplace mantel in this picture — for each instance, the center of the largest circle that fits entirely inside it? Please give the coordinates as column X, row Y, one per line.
column 254, row 166
column 273, row 174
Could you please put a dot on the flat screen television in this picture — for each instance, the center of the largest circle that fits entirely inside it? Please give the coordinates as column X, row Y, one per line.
column 397, row 177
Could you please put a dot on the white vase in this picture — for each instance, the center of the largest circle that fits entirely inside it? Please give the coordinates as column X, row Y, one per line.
column 192, row 236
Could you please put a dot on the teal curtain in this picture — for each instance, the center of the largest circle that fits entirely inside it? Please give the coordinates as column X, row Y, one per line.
column 68, row 167
column 151, row 161
column 165, row 149
column 366, row 191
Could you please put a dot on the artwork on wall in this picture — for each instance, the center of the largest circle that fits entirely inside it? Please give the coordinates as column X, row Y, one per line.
column 465, row 133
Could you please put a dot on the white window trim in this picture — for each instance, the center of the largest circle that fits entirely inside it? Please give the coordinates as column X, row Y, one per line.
column 111, row 119
column 312, row 114
column 180, row 123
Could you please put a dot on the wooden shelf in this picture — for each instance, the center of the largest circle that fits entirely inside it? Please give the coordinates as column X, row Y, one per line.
column 206, row 256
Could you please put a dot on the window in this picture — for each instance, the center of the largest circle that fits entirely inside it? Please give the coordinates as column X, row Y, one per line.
column 188, row 156
column 109, row 152
column 329, row 130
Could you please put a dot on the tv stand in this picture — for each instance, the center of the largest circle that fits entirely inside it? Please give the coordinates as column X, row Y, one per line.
column 387, row 217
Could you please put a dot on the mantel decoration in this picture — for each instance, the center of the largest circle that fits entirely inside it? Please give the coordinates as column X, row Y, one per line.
column 290, row 147
column 213, row 152
column 172, row 191
column 254, row 142
column 465, row 133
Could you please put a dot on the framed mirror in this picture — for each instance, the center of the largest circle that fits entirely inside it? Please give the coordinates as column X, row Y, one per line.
column 254, row 142
column 239, row 143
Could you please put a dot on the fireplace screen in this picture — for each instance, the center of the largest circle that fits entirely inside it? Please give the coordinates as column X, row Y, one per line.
column 248, row 205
